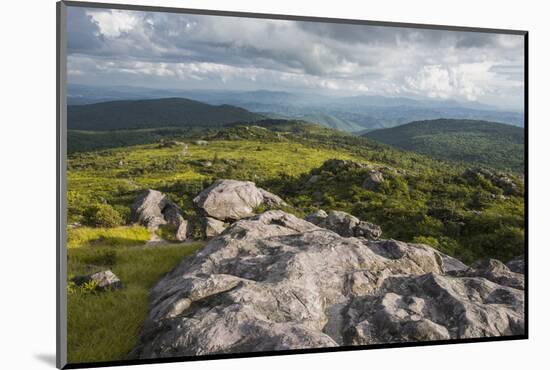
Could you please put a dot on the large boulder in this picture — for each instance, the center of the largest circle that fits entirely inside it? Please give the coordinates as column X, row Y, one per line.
column 276, row 282
column 147, row 208
column 230, row 200
column 153, row 209
column 344, row 224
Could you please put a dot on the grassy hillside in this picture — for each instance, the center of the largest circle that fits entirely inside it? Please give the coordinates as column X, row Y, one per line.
column 421, row 197
column 170, row 112
column 334, row 122
column 485, row 143
column 421, row 200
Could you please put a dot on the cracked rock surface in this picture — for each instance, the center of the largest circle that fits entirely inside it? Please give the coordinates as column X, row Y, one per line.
column 276, row 282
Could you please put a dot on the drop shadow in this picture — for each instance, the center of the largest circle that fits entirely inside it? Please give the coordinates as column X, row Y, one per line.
column 46, row 358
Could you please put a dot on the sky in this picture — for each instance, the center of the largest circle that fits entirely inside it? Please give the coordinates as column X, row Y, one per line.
column 181, row 51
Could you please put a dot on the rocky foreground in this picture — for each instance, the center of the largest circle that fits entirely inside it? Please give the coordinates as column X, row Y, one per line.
column 275, row 282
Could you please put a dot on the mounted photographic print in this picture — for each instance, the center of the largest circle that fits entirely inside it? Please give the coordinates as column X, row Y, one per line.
column 237, row 184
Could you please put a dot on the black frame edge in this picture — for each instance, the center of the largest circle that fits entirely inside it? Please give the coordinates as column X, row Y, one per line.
column 526, row 175
column 291, row 352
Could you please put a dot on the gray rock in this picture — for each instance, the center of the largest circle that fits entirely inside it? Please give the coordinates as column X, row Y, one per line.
column 270, row 199
column 147, row 208
column 341, row 223
column 276, row 282
column 313, row 179
column 316, row 217
column 152, row 209
column 495, row 271
column 104, row 280
column 338, row 165
column 345, row 224
column 211, row 227
column 434, row 307
column 170, row 144
column 201, row 142
column 517, row 264
column 367, row 230
column 230, row 200
column 373, row 179
column 450, row 264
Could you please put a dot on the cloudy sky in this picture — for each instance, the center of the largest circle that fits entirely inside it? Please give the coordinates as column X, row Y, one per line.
column 162, row 50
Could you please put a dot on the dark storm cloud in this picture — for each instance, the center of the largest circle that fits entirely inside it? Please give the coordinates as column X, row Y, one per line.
column 475, row 40
column 212, row 51
column 83, row 33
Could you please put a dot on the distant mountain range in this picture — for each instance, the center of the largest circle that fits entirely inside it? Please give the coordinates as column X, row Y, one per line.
column 487, row 143
column 361, row 113
column 155, row 113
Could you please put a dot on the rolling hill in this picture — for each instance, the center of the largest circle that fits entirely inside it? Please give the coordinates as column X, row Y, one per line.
column 155, row 113
column 484, row 143
column 349, row 113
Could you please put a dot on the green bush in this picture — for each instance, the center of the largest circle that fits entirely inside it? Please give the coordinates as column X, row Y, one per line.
column 102, row 215
column 167, row 232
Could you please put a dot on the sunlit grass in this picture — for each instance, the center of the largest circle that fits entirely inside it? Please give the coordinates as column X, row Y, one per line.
column 116, row 236
column 105, row 326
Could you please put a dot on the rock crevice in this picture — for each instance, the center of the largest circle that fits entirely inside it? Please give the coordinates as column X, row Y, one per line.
column 274, row 282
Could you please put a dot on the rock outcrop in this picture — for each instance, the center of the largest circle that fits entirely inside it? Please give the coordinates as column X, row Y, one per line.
column 230, row 200
column 211, row 227
column 503, row 181
column 338, row 165
column 152, row 209
column 103, row 280
column 276, row 282
column 373, row 179
column 345, row 224
column 316, row 217
column 517, row 264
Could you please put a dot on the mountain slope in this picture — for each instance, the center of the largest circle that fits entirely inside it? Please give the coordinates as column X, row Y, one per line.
column 369, row 112
column 169, row 112
column 485, row 143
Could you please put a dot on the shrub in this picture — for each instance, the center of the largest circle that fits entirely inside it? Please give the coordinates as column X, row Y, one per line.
column 167, row 232
column 102, row 215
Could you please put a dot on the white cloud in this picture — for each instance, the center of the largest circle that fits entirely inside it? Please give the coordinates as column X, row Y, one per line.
column 114, row 22
column 468, row 81
column 163, row 48
column 431, row 80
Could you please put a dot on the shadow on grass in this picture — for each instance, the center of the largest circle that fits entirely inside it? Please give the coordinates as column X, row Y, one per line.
column 114, row 241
